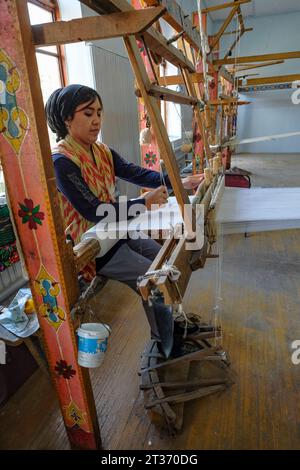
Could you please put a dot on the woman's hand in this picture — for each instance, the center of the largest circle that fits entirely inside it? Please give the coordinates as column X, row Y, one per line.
column 158, row 196
column 192, row 181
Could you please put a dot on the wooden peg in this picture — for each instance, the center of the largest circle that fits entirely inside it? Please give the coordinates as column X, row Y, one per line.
column 216, row 165
column 207, row 176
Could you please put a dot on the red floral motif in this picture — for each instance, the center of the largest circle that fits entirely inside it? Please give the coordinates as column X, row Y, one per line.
column 150, row 159
column 63, row 369
column 141, row 47
column 31, row 214
column 196, row 137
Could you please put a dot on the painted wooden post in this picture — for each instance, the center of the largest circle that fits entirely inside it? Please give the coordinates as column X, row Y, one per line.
column 150, row 155
column 30, row 182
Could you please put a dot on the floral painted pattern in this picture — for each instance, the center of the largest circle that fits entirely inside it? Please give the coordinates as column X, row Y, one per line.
column 150, row 158
column 31, row 214
column 65, row 370
column 141, row 47
column 196, row 137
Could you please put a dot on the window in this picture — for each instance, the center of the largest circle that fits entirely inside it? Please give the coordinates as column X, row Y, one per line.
column 49, row 59
column 172, row 111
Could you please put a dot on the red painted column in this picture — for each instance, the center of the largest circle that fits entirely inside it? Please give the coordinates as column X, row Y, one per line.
column 30, row 181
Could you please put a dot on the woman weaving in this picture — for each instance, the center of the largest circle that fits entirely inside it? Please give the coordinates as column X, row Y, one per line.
column 85, row 172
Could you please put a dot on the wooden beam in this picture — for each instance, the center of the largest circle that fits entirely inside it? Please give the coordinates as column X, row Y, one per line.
column 178, row 79
column 168, row 95
column 95, row 27
column 240, row 16
column 274, row 79
column 258, row 58
column 225, row 5
column 153, row 39
column 157, row 43
column 176, row 17
column 223, row 28
column 226, row 103
column 226, row 75
column 236, row 31
column 256, row 66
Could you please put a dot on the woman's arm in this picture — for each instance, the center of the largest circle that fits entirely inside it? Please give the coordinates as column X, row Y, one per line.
column 137, row 175
column 70, row 182
column 148, row 178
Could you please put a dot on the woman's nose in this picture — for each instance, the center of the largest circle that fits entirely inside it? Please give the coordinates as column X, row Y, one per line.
column 96, row 119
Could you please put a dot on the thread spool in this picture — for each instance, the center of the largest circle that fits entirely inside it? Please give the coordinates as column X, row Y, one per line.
column 145, row 136
column 186, row 148
column 215, row 169
column 207, row 176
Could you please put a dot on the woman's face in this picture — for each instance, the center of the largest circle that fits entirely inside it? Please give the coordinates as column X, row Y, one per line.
column 86, row 123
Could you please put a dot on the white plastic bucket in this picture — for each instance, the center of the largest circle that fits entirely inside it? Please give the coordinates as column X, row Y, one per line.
column 92, row 343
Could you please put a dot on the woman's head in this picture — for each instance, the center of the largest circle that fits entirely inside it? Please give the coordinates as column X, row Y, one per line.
column 75, row 110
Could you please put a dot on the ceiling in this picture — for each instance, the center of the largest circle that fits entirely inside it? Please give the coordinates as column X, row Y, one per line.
column 255, row 8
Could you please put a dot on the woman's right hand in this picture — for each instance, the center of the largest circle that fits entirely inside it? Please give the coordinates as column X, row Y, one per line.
column 158, row 196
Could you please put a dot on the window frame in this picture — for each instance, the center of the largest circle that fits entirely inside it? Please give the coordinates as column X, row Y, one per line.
column 52, row 7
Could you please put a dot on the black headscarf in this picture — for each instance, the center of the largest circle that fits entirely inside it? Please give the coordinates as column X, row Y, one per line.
column 62, row 103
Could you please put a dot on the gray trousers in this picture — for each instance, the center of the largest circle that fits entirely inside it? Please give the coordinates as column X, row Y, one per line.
column 130, row 261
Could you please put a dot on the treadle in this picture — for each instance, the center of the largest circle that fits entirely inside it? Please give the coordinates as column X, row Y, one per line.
column 166, row 383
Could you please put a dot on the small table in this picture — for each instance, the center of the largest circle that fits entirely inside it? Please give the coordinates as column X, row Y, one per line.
column 12, row 340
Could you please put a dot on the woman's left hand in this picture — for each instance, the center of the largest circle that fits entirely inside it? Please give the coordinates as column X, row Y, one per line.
column 192, row 181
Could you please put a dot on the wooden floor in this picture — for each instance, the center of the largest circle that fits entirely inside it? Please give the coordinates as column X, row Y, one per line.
column 260, row 318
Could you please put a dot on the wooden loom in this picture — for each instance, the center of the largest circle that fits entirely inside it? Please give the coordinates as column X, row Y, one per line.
column 29, row 175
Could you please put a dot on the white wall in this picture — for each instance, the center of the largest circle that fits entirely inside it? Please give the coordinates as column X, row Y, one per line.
column 271, row 112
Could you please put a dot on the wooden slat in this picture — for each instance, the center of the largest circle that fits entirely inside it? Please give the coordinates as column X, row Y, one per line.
column 235, row 31
column 225, row 103
column 169, row 95
column 223, row 28
column 258, row 58
column 154, row 40
column 178, row 79
column 256, row 66
column 163, row 254
column 95, row 27
column 274, row 79
column 227, row 75
column 176, row 17
column 85, row 252
column 224, row 5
